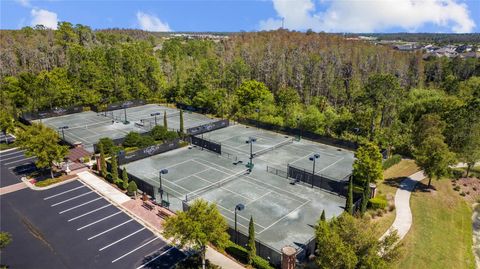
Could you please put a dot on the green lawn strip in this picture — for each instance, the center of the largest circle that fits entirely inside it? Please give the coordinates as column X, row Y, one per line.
column 50, row 181
column 441, row 234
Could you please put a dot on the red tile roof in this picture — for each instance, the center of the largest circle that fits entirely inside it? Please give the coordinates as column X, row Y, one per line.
column 76, row 153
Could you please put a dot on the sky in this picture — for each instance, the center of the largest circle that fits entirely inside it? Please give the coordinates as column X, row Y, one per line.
column 357, row 16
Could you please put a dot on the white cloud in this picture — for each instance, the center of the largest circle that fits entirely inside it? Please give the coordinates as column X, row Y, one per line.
column 25, row 3
column 44, row 17
column 151, row 23
column 370, row 16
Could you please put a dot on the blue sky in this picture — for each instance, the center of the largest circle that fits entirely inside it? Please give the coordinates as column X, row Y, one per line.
column 250, row 15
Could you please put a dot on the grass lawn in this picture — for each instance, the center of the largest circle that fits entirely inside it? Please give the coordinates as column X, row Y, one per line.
column 441, row 234
column 388, row 187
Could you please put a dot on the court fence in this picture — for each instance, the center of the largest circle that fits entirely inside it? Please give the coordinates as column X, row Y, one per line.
column 28, row 117
column 341, row 143
column 278, row 172
column 208, row 127
column 206, row 143
column 146, row 152
column 119, row 105
column 320, row 181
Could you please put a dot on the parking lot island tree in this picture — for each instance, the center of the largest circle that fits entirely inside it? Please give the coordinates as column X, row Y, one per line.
column 200, row 225
column 42, row 142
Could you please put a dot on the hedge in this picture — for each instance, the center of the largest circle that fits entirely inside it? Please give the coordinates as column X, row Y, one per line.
column 240, row 254
column 377, row 203
column 48, row 182
column 391, row 161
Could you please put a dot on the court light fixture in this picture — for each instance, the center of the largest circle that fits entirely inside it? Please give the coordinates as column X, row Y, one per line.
column 238, row 207
column 250, row 141
column 155, row 115
column 63, row 131
column 313, row 159
column 160, row 189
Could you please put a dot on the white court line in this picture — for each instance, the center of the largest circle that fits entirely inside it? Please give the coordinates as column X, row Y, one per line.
column 170, row 182
column 121, row 239
column 55, row 195
column 73, row 198
column 102, row 219
column 158, row 256
column 90, row 212
column 20, row 160
column 137, row 248
column 330, row 165
column 256, row 180
column 303, row 157
column 77, row 206
column 182, row 178
column 256, row 199
column 202, row 179
column 298, row 207
column 10, row 153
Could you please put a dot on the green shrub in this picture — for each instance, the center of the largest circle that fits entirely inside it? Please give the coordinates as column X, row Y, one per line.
column 132, row 188
column 145, row 141
column 377, row 203
column 391, row 161
column 457, row 173
column 159, row 132
column 132, row 139
column 260, row 263
column 456, row 188
column 48, row 182
column 108, row 145
column 238, row 252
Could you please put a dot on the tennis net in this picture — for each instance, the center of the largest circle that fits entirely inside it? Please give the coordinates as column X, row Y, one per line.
column 90, row 126
column 281, row 144
column 195, row 194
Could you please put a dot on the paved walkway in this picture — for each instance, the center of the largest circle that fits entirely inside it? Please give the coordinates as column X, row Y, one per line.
column 149, row 218
column 12, row 188
column 403, row 218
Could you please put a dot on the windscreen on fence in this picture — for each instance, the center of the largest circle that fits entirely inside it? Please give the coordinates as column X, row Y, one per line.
column 124, row 158
column 119, row 105
column 207, row 144
column 58, row 111
column 208, row 127
column 336, row 186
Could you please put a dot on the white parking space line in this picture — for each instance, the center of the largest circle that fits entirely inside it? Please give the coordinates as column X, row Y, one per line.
column 73, row 198
column 158, row 256
column 15, row 166
column 90, row 212
column 137, row 248
column 13, row 157
column 77, row 206
column 106, row 231
column 55, row 195
column 29, row 158
column 97, row 221
column 11, row 153
column 121, row 239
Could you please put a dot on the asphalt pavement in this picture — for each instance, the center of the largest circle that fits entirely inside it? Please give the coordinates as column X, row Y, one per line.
column 71, row 226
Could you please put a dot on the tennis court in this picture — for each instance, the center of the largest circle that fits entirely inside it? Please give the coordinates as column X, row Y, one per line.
column 284, row 214
column 278, row 151
column 88, row 127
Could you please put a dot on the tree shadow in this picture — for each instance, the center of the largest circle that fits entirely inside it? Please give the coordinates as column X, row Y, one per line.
column 163, row 259
column 422, row 187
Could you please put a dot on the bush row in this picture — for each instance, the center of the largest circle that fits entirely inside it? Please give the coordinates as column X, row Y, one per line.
column 377, row 203
column 391, row 161
column 240, row 254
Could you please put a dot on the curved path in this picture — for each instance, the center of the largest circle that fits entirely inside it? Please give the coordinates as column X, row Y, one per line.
column 403, row 218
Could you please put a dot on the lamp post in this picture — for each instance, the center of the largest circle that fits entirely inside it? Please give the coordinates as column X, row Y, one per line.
column 155, row 115
column 258, row 115
column 238, row 207
column 313, row 159
column 63, row 131
column 160, row 189
column 250, row 141
column 299, row 127
column 356, row 130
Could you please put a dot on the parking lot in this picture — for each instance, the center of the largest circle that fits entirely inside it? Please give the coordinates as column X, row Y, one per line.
column 71, row 226
column 14, row 164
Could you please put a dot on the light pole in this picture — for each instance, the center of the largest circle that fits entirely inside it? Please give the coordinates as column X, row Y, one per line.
column 356, row 130
column 258, row 115
column 250, row 141
column 160, row 189
column 155, row 115
column 63, row 131
column 313, row 159
column 238, row 207
column 300, row 128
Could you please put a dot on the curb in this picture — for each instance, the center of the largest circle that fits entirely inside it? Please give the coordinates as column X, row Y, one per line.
column 7, row 150
column 35, row 188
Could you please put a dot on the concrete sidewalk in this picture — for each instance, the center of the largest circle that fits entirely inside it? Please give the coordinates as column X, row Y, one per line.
column 147, row 218
column 403, row 218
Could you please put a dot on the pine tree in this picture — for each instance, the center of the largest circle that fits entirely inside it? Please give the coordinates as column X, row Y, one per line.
column 125, row 178
column 114, row 171
column 165, row 119
column 132, row 188
column 103, row 163
column 349, row 203
column 181, row 121
column 252, row 250
column 322, row 217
